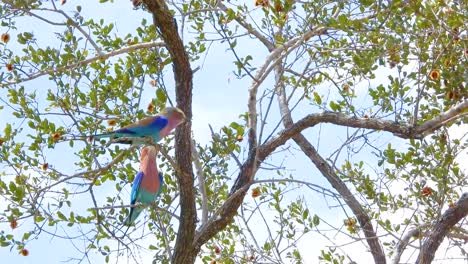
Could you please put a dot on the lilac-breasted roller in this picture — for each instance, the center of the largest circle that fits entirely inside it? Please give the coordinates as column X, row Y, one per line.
column 156, row 127
column 147, row 184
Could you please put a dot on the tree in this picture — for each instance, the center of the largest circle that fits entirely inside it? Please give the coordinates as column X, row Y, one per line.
column 379, row 86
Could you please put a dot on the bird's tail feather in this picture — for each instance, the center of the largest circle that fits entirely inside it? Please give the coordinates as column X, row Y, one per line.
column 134, row 213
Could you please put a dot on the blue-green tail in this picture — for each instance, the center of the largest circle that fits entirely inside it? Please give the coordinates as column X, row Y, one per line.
column 134, row 213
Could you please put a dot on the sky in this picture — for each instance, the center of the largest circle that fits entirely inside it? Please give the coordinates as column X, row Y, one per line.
column 213, row 81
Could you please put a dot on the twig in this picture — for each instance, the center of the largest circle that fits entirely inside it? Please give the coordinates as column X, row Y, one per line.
column 324, row 191
column 201, row 182
column 275, row 245
column 88, row 37
column 68, row 18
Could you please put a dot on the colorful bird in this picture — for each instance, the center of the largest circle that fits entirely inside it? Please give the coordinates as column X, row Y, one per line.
column 147, row 184
column 155, row 127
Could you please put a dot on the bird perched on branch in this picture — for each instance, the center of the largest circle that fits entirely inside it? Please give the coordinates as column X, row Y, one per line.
column 147, row 184
column 155, row 127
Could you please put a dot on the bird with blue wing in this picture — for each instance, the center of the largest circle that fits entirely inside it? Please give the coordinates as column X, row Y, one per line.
column 147, row 184
column 156, row 127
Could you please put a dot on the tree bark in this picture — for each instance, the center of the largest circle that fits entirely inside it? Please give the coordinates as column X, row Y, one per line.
column 184, row 251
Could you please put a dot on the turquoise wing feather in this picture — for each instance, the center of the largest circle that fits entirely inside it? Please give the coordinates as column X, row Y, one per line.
column 134, row 212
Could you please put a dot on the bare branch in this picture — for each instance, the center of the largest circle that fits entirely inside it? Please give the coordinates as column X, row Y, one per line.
column 417, row 232
column 328, row 172
column 273, row 59
column 201, row 182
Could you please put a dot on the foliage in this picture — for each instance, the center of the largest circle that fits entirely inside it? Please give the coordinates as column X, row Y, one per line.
column 79, row 73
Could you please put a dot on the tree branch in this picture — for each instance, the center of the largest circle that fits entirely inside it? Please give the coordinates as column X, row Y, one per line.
column 84, row 62
column 201, row 182
column 418, row 232
column 404, row 241
column 274, row 58
column 451, row 217
column 399, row 130
column 329, row 173
column 249, row 28
column 184, row 251
column 440, row 120
column 92, row 175
column 228, row 210
column 225, row 214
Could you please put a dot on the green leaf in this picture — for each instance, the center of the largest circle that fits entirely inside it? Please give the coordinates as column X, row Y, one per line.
column 335, row 107
column 4, row 243
column 39, row 218
column 26, row 236
column 7, row 130
column 316, row 220
column 61, row 216
column 161, row 96
column 305, row 214
column 317, row 98
column 12, row 187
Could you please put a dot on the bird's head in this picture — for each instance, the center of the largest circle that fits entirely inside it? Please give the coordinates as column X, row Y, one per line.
column 174, row 113
column 148, row 152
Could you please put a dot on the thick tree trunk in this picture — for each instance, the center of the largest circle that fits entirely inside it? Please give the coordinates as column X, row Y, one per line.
column 185, row 250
